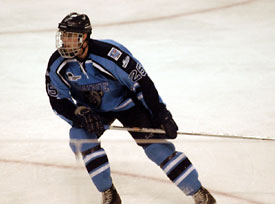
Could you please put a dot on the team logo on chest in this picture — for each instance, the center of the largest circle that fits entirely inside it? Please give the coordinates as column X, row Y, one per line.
column 94, row 97
column 72, row 77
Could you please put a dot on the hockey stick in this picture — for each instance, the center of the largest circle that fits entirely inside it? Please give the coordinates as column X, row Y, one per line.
column 151, row 130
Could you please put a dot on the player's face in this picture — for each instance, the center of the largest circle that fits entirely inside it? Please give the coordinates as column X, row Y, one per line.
column 69, row 43
column 70, row 40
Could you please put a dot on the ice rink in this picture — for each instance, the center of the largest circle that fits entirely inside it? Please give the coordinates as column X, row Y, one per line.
column 213, row 63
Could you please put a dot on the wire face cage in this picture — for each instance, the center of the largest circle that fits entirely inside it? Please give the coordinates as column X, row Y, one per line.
column 68, row 44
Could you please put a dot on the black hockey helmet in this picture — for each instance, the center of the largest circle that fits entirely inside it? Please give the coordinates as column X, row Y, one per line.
column 75, row 22
column 70, row 34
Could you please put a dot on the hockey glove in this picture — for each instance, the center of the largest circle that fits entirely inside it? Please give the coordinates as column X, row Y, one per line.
column 90, row 120
column 166, row 122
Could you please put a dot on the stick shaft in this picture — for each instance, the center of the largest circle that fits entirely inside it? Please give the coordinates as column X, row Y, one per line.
column 151, row 130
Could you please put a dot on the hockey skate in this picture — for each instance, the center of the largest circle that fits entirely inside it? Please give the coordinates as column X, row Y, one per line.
column 203, row 197
column 110, row 196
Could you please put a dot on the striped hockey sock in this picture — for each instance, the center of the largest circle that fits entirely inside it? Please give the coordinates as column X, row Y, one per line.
column 98, row 167
column 175, row 165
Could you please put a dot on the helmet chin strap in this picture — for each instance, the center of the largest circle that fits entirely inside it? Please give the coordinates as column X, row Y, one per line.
column 84, row 50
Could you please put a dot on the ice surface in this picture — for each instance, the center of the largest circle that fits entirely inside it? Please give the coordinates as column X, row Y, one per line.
column 213, row 63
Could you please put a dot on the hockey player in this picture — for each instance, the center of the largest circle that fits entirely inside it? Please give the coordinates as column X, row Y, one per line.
column 90, row 83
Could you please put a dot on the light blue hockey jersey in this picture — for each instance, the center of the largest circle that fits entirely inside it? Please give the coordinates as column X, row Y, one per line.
column 109, row 79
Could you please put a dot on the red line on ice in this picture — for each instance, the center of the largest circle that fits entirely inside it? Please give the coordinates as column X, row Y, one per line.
column 60, row 166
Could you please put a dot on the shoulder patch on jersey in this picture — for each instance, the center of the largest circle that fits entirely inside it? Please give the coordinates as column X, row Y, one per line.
column 114, row 53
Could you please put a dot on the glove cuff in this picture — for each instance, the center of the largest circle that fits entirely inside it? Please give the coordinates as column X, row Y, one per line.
column 82, row 110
